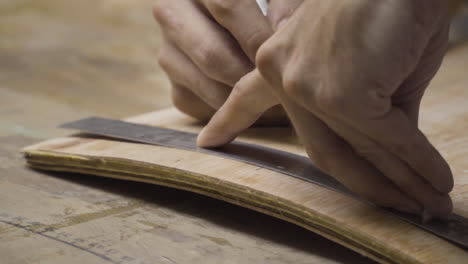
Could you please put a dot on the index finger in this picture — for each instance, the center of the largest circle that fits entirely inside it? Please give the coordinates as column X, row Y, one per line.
column 249, row 99
column 244, row 20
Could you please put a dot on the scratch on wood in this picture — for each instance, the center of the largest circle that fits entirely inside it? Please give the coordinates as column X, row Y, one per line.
column 218, row 240
column 103, row 257
column 83, row 218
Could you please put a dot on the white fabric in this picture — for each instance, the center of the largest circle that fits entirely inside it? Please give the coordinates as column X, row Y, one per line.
column 263, row 4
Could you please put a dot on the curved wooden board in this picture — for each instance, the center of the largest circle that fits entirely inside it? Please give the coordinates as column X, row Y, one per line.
column 364, row 229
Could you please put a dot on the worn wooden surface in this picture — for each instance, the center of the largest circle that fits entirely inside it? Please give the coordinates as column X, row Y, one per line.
column 352, row 223
column 64, row 60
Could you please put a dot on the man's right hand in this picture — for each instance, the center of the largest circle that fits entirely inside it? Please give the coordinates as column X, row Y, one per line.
column 351, row 74
column 353, row 150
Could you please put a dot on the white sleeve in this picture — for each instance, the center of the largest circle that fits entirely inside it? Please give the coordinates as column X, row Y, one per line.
column 263, row 4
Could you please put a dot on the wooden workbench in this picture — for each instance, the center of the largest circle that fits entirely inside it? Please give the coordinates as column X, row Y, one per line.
column 64, row 60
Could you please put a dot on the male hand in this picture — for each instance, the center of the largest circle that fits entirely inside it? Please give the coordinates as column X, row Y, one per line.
column 203, row 59
column 351, row 75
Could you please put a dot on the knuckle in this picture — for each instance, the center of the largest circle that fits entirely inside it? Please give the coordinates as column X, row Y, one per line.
column 209, row 59
column 207, row 56
column 163, row 61
column 238, row 95
column 186, row 102
column 160, row 8
column 244, row 86
column 331, row 101
column 255, row 38
column 293, row 84
column 182, row 100
column 265, row 57
column 164, row 15
column 250, row 96
column 221, row 7
column 239, row 91
column 218, row 63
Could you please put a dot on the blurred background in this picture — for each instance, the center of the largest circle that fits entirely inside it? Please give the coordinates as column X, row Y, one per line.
column 62, row 60
column 459, row 30
column 65, row 60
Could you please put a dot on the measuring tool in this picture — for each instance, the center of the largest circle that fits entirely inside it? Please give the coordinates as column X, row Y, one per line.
column 454, row 230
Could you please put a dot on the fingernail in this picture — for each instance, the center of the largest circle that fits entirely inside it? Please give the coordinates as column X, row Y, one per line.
column 212, row 139
column 201, row 139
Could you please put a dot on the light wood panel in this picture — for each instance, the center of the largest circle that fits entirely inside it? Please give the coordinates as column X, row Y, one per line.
column 364, row 229
column 65, row 60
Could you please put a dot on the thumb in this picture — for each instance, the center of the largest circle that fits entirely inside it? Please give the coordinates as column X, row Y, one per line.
column 279, row 11
column 249, row 99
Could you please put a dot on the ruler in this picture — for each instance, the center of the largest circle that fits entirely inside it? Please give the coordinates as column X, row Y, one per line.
column 454, row 230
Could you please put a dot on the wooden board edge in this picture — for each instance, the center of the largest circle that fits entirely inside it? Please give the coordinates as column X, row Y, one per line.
column 54, row 161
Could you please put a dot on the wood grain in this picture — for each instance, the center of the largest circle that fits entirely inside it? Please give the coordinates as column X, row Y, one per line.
column 65, row 60
column 444, row 118
column 364, row 229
